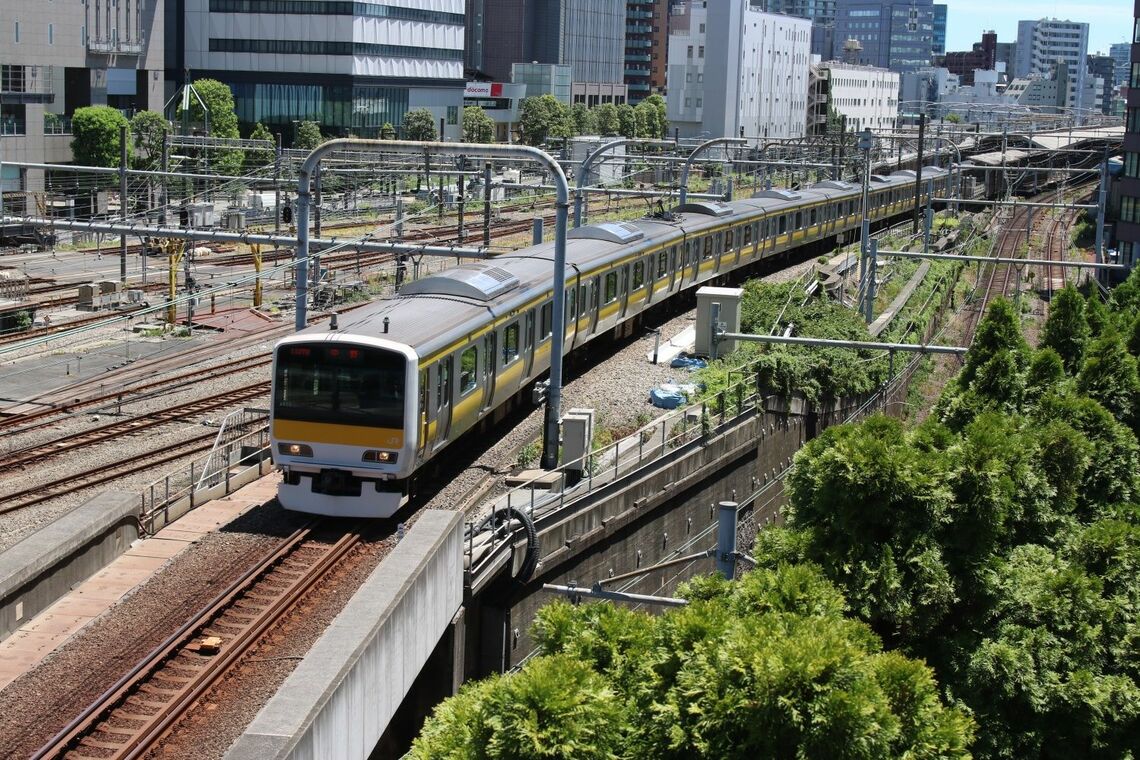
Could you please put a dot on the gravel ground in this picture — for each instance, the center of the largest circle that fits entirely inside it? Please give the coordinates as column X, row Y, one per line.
column 38, row 704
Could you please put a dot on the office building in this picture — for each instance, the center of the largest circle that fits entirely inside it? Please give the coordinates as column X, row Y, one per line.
column 1121, row 53
column 734, row 68
column 982, row 57
column 894, row 34
column 939, row 47
column 822, row 16
column 866, row 96
column 351, row 67
column 1043, row 43
column 56, row 57
column 1103, row 69
column 587, row 35
column 1127, row 228
column 646, row 42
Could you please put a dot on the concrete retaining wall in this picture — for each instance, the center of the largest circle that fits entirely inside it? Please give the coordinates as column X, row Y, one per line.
column 340, row 699
column 47, row 564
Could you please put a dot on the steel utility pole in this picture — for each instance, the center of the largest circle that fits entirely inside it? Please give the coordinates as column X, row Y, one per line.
column 123, row 202
column 918, row 173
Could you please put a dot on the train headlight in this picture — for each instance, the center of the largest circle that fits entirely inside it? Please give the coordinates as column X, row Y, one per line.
column 383, row 457
column 295, row 449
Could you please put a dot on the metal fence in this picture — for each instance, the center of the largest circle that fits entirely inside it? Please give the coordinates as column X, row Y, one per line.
column 239, row 456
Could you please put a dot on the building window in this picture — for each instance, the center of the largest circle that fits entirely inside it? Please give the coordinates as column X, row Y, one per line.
column 17, row 32
column 689, row 54
column 1132, row 165
column 453, row 114
column 51, row 34
column 701, row 52
column 1130, row 209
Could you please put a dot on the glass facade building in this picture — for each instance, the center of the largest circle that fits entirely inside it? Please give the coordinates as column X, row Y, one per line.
column 350, row 66
column 895, row 35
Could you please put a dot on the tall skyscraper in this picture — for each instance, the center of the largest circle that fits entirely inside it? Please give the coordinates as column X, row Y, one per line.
column 894, row 34
column 1121, row 54
column 1043, row 43
column 1103, row 67
column 646, row 42
column 588, row 35
column 822, row 16
column 939, row 47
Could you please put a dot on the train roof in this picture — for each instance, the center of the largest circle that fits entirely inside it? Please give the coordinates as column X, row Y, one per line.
column 435, row 311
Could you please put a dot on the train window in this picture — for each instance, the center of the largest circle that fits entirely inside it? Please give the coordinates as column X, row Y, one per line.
column 708, row 247
column 546, row 321
column 594, row 294
column 638, row 274
column 783, row 224
column 468, row 366
column 764, row 228
column 510, row 343
column 814, row 219
column 799, row 220
column 727, row 241
column 611, row 287
column 571, row 303
column 662, row 264
column 747, row 234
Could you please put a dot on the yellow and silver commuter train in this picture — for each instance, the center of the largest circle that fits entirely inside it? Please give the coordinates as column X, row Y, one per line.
column 360, row 408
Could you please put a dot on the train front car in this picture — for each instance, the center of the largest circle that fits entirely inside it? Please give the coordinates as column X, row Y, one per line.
column 342, row 426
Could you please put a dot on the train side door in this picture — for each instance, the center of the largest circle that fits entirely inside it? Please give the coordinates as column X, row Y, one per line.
column 425, row 416
column 490, row 367
column 443, row 390
column 529, row 342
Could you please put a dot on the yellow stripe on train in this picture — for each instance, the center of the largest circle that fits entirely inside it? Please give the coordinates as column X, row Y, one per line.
column 344, row 435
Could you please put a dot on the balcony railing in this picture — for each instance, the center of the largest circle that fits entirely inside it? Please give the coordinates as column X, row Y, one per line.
column 120, row 47
column 11, row 127
column 56, row 125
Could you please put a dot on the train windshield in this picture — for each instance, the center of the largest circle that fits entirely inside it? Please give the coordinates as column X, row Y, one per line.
column 340, row 384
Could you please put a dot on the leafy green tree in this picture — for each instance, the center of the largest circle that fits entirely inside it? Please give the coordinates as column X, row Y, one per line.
column 95, row 136
column 585, row 121
column 1067, row 329
column 646, row 120
column 308, row 136
column 544, row 117
column 872, row 505
column 419, row 125
column 1109, row 376
column 1046, row 369
column 999, row 330
column 266, row 156
column 1037, row 680
column 627, row 121
column 478, row 127
column 662, row 126
column 1134, row 337
column 1096, row 313
column 223, row 122
column 609, row 124
column 148, row 130
column 954, row 118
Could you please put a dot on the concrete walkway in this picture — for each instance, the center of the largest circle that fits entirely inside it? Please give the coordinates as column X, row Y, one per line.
column 49, row 630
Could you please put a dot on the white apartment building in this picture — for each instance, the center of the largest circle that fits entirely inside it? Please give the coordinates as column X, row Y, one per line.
column 868, row 96
column 351, row 67
column 739, row 70
column 1044, row 43
column 56, row 57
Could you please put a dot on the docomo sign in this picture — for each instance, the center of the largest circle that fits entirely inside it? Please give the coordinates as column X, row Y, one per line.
column 483, row 90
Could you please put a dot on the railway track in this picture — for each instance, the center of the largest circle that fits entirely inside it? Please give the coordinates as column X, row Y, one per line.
column 136, row 713
column 18, row 422
column 102, row 474
column 105, row 433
